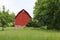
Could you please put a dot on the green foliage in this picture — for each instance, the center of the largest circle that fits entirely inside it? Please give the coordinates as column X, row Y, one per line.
column 32, row 23
column 47, row 13
column 6, row 19
column 11, row 19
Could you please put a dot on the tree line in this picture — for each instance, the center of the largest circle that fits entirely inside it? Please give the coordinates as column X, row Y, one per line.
column 46, row 14
column 6, row 18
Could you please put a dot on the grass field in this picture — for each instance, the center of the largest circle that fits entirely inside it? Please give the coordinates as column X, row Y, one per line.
column 28, row 34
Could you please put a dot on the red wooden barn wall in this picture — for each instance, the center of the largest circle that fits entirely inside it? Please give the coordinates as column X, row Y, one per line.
column 22, row 18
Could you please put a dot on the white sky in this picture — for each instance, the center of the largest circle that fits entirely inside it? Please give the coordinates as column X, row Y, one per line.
column 17, row 5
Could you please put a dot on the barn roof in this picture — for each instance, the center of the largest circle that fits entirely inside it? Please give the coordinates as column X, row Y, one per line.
column 24, row 11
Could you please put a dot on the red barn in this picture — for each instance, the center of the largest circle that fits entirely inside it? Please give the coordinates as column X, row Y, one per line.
column 22, row 18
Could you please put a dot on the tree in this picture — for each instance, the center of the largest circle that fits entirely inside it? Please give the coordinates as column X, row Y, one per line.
column 6, row 19
column 3, row 18
column 32, row 23
column 11, row 19
column 47, row 13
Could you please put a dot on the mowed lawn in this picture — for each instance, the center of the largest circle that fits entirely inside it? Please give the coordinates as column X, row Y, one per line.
column 12, row 33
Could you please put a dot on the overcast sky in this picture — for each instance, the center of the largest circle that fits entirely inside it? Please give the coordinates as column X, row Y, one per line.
column 17, row 5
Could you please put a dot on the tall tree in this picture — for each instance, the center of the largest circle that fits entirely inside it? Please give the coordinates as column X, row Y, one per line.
column 6, row 19
column 47, row 12
column 3, row 18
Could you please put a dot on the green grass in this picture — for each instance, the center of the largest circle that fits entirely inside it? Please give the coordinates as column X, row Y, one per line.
column 28, row 34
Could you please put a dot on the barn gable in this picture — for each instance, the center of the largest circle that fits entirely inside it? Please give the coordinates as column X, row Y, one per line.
column 22, row 18
column 22, row 11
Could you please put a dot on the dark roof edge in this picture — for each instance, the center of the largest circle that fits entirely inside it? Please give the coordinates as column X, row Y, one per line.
column 21, row 11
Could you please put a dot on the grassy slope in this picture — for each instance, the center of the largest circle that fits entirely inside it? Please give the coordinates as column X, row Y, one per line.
column 28, row 34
